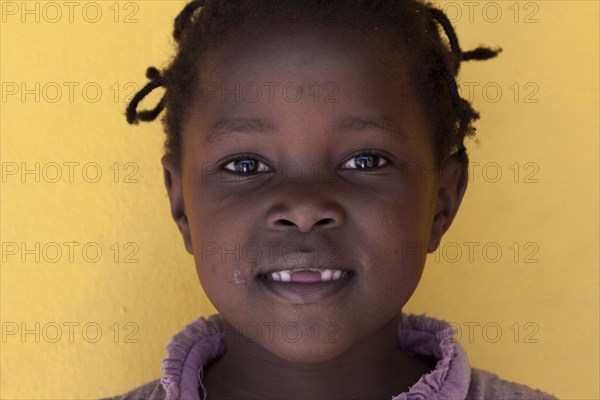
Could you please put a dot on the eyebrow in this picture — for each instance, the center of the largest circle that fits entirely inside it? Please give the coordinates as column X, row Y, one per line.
column 377, row 124
column 227, row 127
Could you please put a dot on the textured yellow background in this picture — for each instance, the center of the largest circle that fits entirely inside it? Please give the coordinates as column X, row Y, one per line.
column 547, row 132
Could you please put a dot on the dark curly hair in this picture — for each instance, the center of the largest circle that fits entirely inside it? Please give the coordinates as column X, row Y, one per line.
column 413, row 24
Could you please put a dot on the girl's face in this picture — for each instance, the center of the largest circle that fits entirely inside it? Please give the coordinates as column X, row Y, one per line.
column 336, row 172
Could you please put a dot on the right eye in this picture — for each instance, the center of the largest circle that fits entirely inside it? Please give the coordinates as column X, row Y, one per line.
column 245, row 165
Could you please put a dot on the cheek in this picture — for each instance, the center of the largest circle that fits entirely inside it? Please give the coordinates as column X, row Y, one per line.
column 210, row 241
column 222, row 252
column 220, row 263
column 396, row 235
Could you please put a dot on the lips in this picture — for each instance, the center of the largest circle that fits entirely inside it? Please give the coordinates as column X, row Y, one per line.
column 313, row 274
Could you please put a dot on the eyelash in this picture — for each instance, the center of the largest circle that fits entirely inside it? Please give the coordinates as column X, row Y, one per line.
column 245, row 157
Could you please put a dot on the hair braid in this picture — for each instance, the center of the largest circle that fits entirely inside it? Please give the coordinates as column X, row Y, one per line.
column 156, row 80
column 462, row 108
column 183, row 19
column 133, row 116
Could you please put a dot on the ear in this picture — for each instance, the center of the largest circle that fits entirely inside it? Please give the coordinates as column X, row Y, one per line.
column 173, row 183
column 451, row 189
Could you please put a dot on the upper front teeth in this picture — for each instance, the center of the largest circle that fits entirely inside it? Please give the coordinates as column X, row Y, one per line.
column 326, row 274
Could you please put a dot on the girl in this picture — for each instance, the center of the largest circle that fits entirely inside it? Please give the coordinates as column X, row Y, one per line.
column 314, row 156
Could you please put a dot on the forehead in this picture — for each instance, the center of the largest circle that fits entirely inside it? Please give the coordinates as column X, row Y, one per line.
column 360, row 71
column 303, row 50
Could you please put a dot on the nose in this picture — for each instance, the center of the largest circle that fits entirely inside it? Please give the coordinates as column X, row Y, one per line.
column 305, row 208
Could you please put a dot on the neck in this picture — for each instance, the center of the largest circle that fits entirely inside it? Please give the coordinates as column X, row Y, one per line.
column 374, row 368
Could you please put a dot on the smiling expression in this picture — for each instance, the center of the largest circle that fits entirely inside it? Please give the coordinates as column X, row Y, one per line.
column 302, row 161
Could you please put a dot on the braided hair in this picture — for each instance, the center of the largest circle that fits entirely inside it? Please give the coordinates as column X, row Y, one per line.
column 203, row 24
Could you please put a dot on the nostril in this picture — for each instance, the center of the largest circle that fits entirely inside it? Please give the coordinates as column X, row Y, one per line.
column 325, row 221
column 286, row 222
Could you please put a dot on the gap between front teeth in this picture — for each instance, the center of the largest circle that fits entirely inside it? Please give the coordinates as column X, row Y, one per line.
column 326, row 275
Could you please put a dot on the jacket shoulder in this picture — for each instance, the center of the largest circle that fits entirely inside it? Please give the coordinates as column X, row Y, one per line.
column 486, row 385
column 149, row 391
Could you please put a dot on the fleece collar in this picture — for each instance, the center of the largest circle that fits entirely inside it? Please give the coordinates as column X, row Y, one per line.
column 201, row 342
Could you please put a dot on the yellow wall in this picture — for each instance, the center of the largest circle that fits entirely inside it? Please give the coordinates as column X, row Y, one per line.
column 548, row 133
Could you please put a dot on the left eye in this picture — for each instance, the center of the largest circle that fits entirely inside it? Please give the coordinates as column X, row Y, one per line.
column 365, row 161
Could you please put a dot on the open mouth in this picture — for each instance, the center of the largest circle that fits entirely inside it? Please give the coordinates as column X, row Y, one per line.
column 306, row 285
column 308, row 275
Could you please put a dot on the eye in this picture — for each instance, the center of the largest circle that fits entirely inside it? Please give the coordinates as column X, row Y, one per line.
column 365, row 160
column 245, row 164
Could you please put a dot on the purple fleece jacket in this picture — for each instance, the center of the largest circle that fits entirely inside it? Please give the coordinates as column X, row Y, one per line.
column 452, row 378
